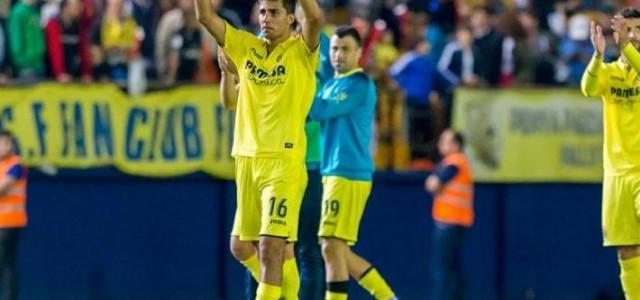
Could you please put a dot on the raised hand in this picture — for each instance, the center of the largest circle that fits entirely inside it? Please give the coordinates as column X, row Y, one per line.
column 620, row 30
column 597, row 39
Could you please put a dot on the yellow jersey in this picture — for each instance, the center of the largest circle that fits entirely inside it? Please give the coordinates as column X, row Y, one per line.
column 118, row 33
column 275, row 95
column 618, row 85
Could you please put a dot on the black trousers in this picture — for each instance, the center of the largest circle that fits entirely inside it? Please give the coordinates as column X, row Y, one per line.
column 8, row 258
column 421, row 139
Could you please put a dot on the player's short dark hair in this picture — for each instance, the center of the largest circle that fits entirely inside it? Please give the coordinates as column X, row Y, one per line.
column 289, row 5
column 458, row 138
column 351, row 31
column 6, row 133
column 629, row 13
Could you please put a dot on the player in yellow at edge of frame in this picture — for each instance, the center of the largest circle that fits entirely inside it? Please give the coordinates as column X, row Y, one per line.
column 617, row 84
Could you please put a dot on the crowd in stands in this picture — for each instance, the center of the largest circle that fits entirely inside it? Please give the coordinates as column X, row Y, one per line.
column 418, row 51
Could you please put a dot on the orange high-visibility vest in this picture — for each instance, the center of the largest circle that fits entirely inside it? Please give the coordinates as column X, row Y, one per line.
column 454, row 203
column 12, row 204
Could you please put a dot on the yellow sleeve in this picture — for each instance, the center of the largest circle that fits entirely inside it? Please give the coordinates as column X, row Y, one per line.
column 632, row 55
column 311, row 57
column 237, row 42
column 594, row 79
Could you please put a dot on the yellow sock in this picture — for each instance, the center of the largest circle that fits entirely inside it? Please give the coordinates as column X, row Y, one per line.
column 335, row 296
column 268, row 292
column 290, row 280
column 630, row 277
column 375, row 284
column 253, row 264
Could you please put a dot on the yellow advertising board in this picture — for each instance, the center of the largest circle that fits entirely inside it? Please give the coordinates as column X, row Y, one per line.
column 531, row 135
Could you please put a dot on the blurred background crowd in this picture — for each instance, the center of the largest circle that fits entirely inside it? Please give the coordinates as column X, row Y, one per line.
column 418, row 51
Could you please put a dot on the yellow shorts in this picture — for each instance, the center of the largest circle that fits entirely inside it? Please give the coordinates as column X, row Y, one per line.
column 621, row 210
column 269, row 195
column 343, row 203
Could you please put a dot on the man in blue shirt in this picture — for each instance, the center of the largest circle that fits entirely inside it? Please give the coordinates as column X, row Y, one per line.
column 345, row 107
column 415, row 72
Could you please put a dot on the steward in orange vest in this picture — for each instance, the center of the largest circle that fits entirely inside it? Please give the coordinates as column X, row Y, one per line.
column 451, row 184
column 13, row 216
column 13, row 189
column 452, row 188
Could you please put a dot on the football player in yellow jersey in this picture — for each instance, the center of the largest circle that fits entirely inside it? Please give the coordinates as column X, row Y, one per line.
column 618, row 85
column 277, row 85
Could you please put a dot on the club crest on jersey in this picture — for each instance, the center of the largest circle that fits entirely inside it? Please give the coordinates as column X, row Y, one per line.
column 342, row 97
column 265, row 77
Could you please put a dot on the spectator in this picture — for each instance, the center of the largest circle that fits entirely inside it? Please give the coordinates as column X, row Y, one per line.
column 145, row 13
column 488, row 43
column 417, row 24
column 459, row 62
column 254, row 20
column 169, row 24
column 392, row 145
column 49, row 10
column 173, row 21
column 385, row 53
column 539, row 45
column 415, row 72
column 68, row 48
column 388, row 15
column 114, row 43
column 515, row 63
column 165, row 6
column 5, row 6
column 444, row 14
column 91, row 11
column 371, row 33
column 541, row 10
column 576, row 48
column 436, row 38
column 243, row 7
column 413, row 27
column 557, row 19
column 186, row 49
column 458, row 65
column 26, row 40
